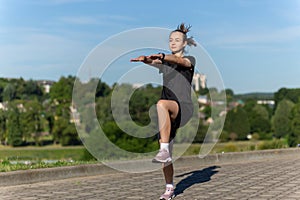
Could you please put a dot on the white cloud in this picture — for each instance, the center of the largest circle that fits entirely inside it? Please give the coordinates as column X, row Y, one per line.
column 275, row 36
column 79, row 20
column 37, row 49
column 95, row 20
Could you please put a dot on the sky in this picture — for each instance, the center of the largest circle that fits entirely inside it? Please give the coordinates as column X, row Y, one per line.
column 255, row 44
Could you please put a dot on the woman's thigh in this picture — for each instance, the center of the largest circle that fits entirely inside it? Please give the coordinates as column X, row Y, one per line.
column 171, row 106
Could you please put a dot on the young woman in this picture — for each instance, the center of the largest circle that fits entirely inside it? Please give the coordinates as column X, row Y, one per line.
column 175, row 106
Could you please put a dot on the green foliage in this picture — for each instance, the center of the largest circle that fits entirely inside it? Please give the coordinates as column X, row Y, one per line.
column 294, row 136
column 259, row 119
column 281, row 119
column 265, row 136
column 229, row 95
column 32, row 112
column 70, row 136
column 61, row 91
column 230, row 147
column 288, row 94
column 255, row 136
column 224, row 137
column 102, row 90
column 140, row 103
column 9, row 92
column 15, row 132
column 87, row 156
column 273, row 144
column 6, row 166
column 128, row 142
column 237, row 122
column 3, row 127
column 32, row 121
column 60, row 124
column 255, row 96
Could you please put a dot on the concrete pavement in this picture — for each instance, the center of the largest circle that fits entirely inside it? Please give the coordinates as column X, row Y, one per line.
column 262, row 175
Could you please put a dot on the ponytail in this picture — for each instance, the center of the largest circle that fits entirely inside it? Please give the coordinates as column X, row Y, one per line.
column 185, row 29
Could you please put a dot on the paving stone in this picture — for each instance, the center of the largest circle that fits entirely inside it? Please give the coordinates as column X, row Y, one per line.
column 277, row 178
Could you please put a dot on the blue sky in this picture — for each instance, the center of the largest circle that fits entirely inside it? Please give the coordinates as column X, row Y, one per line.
column 254, row 43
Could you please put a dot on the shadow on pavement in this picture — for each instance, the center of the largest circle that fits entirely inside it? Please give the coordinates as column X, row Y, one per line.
column 194, row 177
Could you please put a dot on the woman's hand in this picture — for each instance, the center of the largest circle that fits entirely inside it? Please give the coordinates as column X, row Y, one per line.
column 139, row 59
column 156, row 56
column 152, row 59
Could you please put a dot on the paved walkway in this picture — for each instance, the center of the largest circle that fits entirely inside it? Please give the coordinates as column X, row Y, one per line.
column 274, row 178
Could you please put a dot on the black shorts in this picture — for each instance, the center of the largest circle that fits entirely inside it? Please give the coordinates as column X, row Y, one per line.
column 185, row 113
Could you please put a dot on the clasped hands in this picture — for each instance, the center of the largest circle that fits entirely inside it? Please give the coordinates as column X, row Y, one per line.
column 157, row 58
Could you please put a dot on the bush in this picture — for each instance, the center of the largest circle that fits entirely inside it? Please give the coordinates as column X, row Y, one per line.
column 255, row 136
column 273, row 144
column 224, row 137
column 265, row 136
column 230, row 148
column 87, row 156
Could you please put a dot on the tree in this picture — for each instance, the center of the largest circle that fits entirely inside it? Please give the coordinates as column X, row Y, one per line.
column 294, row 136
column 61, row 91
column 259, row 119
column 9, row 92
column 3, row 136
column 15, row 134
column 237, row 122
column 140, row 103
column 60, row 124
column 102, row 90
column 69, row 135
column 1, row 93
column 32, row 90
column 32, row 121
column 281, row 119
column 289, row 94
column 229, row 94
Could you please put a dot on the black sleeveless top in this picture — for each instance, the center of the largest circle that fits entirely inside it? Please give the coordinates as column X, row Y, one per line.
column 177, row 81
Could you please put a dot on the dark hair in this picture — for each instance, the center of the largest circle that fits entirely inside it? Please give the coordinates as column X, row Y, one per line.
column 184, row 30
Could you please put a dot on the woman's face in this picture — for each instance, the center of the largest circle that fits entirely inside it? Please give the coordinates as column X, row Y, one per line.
column 176, row 42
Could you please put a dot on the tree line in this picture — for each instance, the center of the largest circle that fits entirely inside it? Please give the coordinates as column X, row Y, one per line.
column 280, row 120
column 31, row 116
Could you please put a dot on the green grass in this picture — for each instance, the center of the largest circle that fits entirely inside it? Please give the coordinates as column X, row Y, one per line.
column 239, row 146
column 39, row 157
column 6, row 166
column 42, row 153
column 67, row 156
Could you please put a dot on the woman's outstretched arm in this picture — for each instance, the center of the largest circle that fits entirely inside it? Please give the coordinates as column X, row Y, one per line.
column 170, row 58
column 147, row 60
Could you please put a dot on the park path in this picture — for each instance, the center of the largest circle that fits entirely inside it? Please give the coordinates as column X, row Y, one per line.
column 276, row 178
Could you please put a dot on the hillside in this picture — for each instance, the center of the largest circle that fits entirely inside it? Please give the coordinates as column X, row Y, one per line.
column 256, row 96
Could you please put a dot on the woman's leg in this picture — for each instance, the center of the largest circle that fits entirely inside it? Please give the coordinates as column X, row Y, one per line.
column 167, row 111
column 168, row 173
column 168, row 167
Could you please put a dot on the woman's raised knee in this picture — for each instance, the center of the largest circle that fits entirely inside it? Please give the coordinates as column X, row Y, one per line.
column 162, row 104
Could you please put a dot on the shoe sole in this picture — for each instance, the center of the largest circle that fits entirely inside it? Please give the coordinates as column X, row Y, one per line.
column 162, row 161
column 172, row 197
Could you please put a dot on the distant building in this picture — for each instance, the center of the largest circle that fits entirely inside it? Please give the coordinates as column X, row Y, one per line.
column 199, row 82
column 203, row 99
column 46, row 84
column 266, row 102
column 137, row 85
column 3, row 106
column 75, row 115
column 269, row 103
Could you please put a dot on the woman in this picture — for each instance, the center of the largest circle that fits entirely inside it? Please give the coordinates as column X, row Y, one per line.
column 175, row 106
